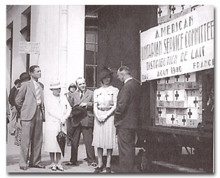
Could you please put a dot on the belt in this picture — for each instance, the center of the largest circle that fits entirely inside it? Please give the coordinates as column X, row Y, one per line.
column 104, row 109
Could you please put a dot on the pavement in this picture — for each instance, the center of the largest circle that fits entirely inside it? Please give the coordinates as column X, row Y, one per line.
column 12, row 160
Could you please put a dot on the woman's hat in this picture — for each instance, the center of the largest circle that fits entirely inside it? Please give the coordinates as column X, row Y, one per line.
column 72, row 85
column 105, row 73
column 55, row 84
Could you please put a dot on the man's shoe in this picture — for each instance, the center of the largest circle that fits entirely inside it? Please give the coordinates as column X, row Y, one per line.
column 72, row 164
column 69, row 163
column 38, row 166
column 86, row 159
column 98, row 169
column 108, row 170
column 23, row 168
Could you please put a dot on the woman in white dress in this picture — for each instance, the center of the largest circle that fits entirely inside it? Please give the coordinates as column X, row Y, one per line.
column 104, row 134
column 58, row 109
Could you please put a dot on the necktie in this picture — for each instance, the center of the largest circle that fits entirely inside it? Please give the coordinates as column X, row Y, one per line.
column 81, row 95
column 38, row 94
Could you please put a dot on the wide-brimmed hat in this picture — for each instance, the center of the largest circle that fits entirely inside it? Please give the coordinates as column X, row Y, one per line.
column 55, row 84
column 106, row 72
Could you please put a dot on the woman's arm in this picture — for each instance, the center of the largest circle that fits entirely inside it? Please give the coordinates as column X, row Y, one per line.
column 67, row 108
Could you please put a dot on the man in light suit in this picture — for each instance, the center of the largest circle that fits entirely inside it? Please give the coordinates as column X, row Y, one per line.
column 84, row 98
column 30, row 102
column 126, row 118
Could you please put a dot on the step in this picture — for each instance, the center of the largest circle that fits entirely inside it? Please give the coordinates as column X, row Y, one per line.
column 177, row 167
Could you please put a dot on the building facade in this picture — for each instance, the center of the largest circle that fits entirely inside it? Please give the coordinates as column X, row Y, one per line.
column 59, row 31
column 70, row 41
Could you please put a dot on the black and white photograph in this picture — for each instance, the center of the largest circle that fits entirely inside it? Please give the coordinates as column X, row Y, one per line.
column 110, row 88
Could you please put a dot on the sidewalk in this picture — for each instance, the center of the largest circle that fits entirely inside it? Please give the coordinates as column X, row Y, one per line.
column 12, row 164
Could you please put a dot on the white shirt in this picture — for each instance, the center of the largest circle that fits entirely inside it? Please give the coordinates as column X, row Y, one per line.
column 36, row 85
column 81, row 93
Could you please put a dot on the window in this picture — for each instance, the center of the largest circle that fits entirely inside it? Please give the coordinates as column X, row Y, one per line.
column 91, row 49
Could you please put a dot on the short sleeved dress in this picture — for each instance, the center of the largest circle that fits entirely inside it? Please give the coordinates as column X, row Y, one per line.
column 104, row 134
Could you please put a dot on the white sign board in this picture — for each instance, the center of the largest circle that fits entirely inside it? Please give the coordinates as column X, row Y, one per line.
column 183, row 45
column 29, row 47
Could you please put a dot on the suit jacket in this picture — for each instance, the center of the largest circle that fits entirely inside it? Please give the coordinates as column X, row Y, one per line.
column 12, row 95
column 127, row 109
column 88, row 121
column 26, row 100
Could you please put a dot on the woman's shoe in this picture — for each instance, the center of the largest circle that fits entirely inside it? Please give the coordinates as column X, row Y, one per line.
column 60, row 168
column 94, row 164
column 98, row 169
column 108, row 169
column 54, row 168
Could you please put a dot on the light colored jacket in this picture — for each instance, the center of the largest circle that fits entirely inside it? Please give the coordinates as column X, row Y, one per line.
column 58, row 111
column 26, row 100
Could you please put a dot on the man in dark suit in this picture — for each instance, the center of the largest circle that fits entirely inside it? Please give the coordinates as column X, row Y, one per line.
column 30, row 102
column 11, row 99
column 126, row 118
column 82, row 97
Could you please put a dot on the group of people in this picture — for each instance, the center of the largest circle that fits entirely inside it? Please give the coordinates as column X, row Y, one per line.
column 13, row 121
column 106, row 117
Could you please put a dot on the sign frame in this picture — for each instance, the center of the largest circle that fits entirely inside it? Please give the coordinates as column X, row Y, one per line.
column 168, row 49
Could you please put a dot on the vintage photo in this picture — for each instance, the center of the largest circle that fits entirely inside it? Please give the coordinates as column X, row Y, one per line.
column 110, row 89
